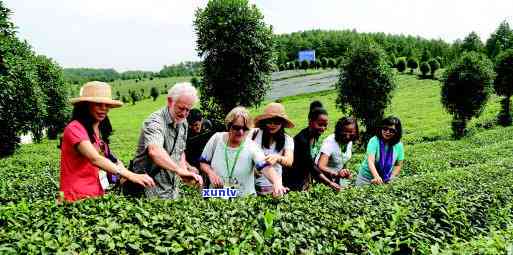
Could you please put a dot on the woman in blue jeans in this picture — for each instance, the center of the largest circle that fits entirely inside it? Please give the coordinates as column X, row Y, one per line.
column 385, row 154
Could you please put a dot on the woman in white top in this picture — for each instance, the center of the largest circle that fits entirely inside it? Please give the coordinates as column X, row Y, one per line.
column 277, row 146
column 336, row 150
column 229, row 159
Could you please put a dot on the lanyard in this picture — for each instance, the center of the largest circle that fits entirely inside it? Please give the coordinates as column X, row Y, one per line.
column 230, row 171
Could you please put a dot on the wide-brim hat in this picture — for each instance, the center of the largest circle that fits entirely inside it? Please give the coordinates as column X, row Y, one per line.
column 274, row 110
column 96, row 92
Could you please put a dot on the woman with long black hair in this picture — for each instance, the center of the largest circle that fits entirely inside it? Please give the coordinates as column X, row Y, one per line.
column 85, row 154
column 385, row 154
column 278, row 147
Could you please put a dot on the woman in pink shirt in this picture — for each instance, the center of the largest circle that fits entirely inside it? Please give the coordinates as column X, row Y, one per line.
column 85, row 155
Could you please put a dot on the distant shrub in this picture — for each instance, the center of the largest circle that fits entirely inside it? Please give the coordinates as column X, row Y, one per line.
column 154, row 93
column 305, row 64
column 401, row 64
column 424, row 69
column 433, row 65
column 413, row 64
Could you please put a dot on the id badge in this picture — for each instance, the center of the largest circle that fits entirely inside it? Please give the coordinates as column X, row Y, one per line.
column 104, row 180
column 232, row 183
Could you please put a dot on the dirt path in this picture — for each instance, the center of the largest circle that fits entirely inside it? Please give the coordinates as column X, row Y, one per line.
column 300, row 85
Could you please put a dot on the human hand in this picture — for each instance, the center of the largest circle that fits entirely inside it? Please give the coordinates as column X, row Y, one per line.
column 216, row 181
column 279, row 190
column 345, row 173
column 377, row 180
column 335, row 186
column 141, row 179
column 192, row 179
column 272, row 159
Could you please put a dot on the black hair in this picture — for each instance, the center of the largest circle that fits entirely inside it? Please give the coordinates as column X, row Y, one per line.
column 279, row 137
column 194, row 115
column 339, row 128
column 316, row 109
column 315, row 104
column 392, row 121
column 81, row 114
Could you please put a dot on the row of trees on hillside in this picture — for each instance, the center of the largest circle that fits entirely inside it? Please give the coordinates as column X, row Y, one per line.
column 83, row 75
column 33, row 95
column 336, row 44
column 426, row 67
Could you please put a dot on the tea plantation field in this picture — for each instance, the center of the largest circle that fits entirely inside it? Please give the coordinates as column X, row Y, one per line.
column 453, row 197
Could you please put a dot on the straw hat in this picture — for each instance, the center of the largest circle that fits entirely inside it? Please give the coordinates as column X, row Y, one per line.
column 273, row 110
column 96, row 92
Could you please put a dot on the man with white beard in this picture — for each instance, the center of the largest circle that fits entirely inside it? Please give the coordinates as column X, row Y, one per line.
column 160, row 152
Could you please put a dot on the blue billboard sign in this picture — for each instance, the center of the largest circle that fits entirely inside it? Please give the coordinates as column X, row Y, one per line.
column 308, row 55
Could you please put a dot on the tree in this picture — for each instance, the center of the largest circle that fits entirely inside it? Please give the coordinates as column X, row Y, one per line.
column 51, row 81
column 195, row 81
column 237, row 51
column 425, row 69
column 19, row 88
column 297, row 64
column 412, row 64
column 154, row 93
column 290, row 66
column 433, row 66
column 500, row 40
column 365, row 85
column 317, row 64
column 401, row 64
column 503, row 84
column 466, row 87
column 22, row 101
column 324, row 62
column 134, row 96
column 332, row 63
column 7, row 28
column 472, row 43
column 305, row 64
column 124, row 99
column 440, row 61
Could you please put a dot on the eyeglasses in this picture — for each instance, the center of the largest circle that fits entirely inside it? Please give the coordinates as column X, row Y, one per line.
column 389, row 130
column 238, row 128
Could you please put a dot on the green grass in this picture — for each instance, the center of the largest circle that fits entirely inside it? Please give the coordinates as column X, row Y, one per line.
column 453, row 196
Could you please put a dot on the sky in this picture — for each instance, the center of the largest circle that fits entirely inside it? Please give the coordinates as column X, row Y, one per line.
column 148, row 34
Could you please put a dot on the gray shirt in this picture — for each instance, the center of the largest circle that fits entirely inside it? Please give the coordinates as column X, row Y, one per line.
column 161, row 130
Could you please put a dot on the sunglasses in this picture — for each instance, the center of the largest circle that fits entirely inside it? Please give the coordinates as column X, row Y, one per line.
column 238, row 128
column 389, row 130
column 274, row 121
